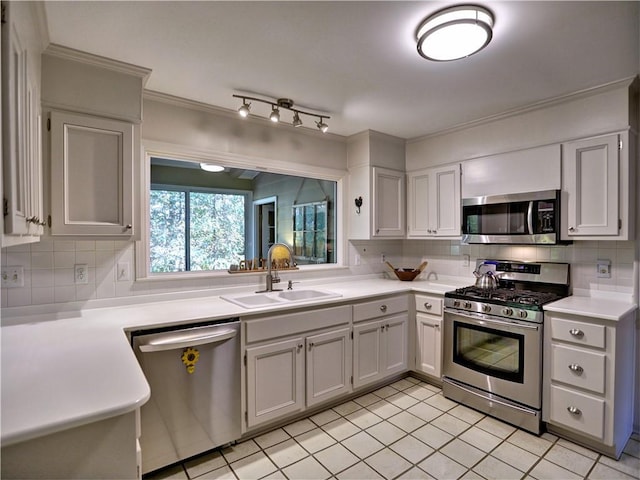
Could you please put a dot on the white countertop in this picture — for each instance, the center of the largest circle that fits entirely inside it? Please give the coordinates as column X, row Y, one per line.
column 68, row 369
column 595, row 307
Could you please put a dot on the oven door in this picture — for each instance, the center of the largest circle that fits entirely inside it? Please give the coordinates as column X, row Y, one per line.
column 496, row 355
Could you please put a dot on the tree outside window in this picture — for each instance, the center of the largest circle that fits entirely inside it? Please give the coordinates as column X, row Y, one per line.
column 194, row 229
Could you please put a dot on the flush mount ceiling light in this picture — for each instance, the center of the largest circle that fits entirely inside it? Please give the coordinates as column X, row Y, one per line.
column 282, row 104
column 210, row 167
column 454, row 33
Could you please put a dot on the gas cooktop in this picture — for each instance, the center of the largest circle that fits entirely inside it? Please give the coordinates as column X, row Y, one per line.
column 506, row 296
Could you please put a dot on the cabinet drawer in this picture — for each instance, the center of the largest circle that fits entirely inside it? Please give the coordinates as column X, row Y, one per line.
column 429, row 304
column 580, row 333
column 379, row 308
column 295, row 323
column 588, row 412
column 577, row 367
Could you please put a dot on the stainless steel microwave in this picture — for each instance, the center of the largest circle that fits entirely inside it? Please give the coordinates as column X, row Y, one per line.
column 531, row 218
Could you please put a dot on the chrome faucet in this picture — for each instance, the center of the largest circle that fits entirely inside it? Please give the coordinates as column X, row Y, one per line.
column 273, row 277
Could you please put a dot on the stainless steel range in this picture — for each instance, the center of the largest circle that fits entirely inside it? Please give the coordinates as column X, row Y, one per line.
column 493, row 339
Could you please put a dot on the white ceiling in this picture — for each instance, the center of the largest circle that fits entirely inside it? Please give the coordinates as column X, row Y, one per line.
column 357, row 61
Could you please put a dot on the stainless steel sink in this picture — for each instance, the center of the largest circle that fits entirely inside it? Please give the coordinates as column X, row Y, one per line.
column 269, row 299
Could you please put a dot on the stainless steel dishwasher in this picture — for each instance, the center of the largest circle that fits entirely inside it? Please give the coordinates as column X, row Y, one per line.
column 194, row 375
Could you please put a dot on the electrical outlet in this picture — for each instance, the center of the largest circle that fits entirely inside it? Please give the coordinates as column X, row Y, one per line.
column 81, row 274
column 123, row 272
column 603, row 269
column 383, row 258
column 13, row 277
column 465, row 260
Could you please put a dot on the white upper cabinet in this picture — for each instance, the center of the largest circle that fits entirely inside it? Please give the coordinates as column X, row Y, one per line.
column 596, row 185
column 91, row 176
column 433, row 202
column 21, row 144
column 377, row 183
column 530, row 170
column 95, row 109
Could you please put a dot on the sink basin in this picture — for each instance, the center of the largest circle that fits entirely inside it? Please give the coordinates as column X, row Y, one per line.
column 295, row 295
column 269, row 299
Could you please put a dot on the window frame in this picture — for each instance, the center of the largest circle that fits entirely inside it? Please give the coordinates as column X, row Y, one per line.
column 248, row 225
column 157, row 149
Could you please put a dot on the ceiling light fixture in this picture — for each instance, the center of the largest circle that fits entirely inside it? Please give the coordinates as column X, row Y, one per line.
column 275, row 115
column 277, row 106
column 244, row 109
column 210, row 167
column 455, row 32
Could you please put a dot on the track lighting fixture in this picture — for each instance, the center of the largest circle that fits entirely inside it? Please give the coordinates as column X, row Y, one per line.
column 323, row 127
column 277, row 106
column 244, row 109
column 275, row 115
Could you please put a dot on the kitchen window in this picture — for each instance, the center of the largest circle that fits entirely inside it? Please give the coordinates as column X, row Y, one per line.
column 187, row 233
column 196, row 229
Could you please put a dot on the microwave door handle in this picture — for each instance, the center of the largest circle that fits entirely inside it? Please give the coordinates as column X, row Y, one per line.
column 530, row 218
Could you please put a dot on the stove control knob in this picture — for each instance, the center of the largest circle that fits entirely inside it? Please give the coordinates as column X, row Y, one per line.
column 522, row 313
column 507, row 311
column 456, row 303
column 486, row 308
column 467, row 304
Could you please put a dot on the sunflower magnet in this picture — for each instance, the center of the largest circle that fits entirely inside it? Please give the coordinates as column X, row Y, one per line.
column 190, row 357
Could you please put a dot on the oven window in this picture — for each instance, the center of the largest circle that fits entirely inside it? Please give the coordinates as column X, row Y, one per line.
column 492, row 352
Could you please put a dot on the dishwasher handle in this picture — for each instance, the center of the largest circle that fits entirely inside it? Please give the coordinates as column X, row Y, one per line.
column 180, row 339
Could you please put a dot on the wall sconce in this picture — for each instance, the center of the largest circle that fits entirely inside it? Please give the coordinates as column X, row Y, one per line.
column 282, row 103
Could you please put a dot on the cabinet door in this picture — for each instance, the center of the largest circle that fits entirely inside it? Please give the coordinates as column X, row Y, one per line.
column 22, row 164
column 444, row 201
column 395, row 344
column 91, row 176
column 388, row 203
column 367, row 361
column 275, row 380
column 328, row 365
column 428, row 344
column 418, row 190
column 591, row 176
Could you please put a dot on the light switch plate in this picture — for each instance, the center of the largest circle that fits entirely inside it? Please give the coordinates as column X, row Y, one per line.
column 13, row 276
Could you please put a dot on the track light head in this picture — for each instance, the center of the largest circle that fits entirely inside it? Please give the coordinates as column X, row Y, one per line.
column 275, row 114
column 296, row 120
column 323, row 127
column 244, row 109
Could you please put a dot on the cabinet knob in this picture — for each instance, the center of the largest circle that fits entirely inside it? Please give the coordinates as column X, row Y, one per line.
column 300, row 346
column 427, row 305
column 129, row 226
column 382, row 328
column 571, row 229
column 576, row 332
column 575, row 411
column 383, row 308
column 574, row 367
column 311, row 345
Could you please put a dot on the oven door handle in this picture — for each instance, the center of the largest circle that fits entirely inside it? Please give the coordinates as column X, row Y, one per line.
column 492, row 320
column 530, row 218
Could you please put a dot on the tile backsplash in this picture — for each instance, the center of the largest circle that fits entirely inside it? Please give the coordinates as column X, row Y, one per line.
column 49, row 267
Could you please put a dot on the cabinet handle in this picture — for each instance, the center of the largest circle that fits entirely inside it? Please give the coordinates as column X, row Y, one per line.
column 576, row 332
column 437, row 327
column 386, row 327
column 574, row 411
column 571, row 229
column 576, row 368
column 129, row 226
column 383, row 308
column 382, row 328
column 300, row 346
column 311, row 345
column 427, row 305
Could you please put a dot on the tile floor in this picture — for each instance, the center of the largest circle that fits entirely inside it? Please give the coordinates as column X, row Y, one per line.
column 406, row 430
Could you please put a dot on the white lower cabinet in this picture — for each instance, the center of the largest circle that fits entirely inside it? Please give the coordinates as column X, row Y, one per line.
column 589, row 368
column 286, row 374
column 275, row 380
column 429, row 335
column 380, row 346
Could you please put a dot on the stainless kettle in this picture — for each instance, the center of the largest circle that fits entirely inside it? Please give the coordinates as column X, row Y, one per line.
column 486, row 281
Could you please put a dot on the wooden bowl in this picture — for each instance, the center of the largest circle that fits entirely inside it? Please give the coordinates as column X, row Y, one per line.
column 406, row 274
